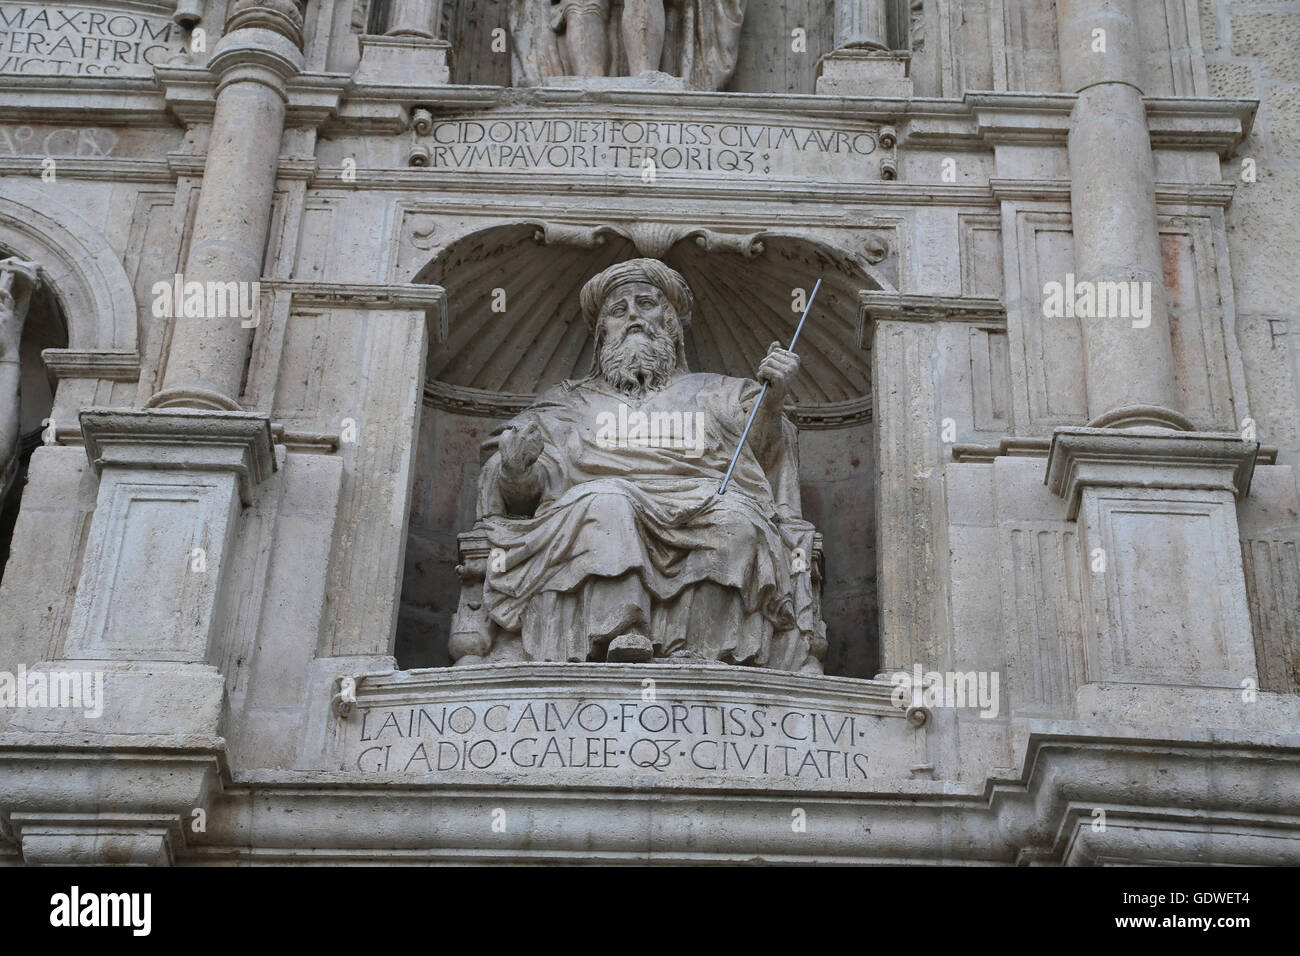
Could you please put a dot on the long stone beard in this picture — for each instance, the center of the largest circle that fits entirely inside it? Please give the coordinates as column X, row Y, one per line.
column 638, row 366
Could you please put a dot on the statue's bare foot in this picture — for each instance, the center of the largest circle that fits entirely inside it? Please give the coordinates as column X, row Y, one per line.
column 686, row 655
column 630, row 648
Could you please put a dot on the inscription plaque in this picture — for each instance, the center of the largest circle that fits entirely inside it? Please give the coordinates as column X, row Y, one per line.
column 699, row 727
column 58, row 40
column 676, row 145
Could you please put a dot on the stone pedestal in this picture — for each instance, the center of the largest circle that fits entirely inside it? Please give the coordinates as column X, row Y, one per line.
column 403, row 60
column 118, row 779
column 864, row 72
column 1164, row 594
column 170, row 488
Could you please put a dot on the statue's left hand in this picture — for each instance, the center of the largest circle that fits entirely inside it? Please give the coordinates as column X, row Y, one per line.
column 779, row 367
column 520, row 450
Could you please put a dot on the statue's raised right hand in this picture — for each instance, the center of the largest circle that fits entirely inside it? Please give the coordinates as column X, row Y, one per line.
column 520, row 449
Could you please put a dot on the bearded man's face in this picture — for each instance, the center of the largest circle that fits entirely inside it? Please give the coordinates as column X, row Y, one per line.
column 637, row 338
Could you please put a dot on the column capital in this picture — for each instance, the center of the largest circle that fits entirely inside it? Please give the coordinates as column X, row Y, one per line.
column 257, row 54
column 181, row 440
column 1147, row 458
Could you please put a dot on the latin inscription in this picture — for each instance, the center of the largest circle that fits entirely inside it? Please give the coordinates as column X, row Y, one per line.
column 71, row 41
column 674, row 146
column 611, row 737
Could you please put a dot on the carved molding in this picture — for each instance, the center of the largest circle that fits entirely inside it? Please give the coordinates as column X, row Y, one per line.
column 876, row 307
column 115, row 366
column 181, row 439
column 1147, row 458
column 652, row 239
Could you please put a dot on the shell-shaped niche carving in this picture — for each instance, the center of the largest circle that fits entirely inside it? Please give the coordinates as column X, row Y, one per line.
column 516, row 327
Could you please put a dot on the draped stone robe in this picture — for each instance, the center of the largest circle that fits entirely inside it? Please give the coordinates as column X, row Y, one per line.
column 701, row 41
column 633, row 536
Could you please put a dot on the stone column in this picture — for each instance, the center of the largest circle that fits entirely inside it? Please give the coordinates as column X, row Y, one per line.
column 1130, row 362
column 861, row 63
column 261, row 49
column 1164, row 591
column 861, row 24
column 414, row 18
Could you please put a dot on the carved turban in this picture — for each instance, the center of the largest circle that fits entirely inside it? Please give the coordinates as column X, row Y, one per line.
column 667, row 280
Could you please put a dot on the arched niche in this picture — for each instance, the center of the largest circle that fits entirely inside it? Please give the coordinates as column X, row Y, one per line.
column 45, row 327
column 84, row 302
column 80, row 268
column 515, row 328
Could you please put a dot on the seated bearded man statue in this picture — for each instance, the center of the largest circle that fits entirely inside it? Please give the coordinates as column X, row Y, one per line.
column 601, row 505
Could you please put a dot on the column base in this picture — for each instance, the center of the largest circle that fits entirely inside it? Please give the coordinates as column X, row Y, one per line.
column 403, row 61
column 861, row 72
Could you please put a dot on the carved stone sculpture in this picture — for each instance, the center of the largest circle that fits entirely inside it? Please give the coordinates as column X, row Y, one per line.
column 696, row 40
column 18, row 280
column 601, row 534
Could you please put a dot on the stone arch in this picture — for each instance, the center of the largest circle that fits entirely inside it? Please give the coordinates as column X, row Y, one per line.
column 492, row 364
column 81, row 268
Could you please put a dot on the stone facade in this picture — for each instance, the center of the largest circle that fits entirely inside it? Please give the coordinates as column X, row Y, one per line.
column 273, row 273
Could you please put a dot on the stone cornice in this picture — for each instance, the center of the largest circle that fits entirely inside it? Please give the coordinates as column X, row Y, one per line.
column 181, row 440
column 190, row 94
column 968, row 452
column 1033, row 812
column 130, row 101
column 1146, row 458
column 876, row 307
column 1195, row 122
column 525, row 182
column 429, row 299
column 978, row 120
column 1058, row 191
column 289, row 167
column 115, row 366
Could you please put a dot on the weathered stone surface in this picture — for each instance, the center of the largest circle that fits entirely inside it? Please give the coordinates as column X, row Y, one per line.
column 1054, row 546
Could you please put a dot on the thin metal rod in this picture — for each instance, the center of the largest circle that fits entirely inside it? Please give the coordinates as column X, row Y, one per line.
column 763, row 392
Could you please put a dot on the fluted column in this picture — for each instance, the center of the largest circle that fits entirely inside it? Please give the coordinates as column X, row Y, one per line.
column 1112, row 200
column 261, row 50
